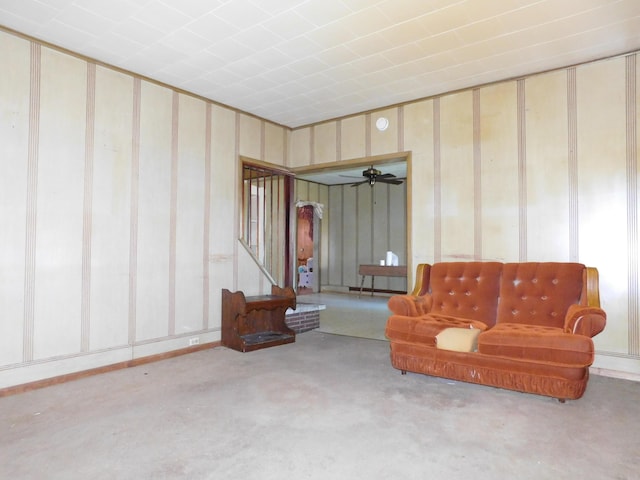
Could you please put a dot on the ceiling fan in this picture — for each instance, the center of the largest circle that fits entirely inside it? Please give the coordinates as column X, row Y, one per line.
column 373, row 176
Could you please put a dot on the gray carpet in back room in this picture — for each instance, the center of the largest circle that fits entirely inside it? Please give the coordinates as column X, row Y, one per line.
column 325, row 407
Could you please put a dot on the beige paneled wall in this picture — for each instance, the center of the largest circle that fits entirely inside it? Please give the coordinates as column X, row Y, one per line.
column 109, row 190
column 324, row 143
column 353, row 137
column 499, row 172
column 119, row 213
column 419, row 138
column 538, row 169
column 600, row 217
column 457, row 180
column 547, row 140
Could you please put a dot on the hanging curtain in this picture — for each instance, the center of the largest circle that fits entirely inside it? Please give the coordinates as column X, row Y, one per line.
column 317, row 207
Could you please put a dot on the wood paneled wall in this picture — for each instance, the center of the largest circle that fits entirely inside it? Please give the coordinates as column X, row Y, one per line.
column 119, row 210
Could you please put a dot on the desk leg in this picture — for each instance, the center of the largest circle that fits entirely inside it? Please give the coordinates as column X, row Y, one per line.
column 372, row 278
column 361, row 285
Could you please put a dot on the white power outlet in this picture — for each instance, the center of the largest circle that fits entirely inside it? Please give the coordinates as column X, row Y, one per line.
column 194, row 341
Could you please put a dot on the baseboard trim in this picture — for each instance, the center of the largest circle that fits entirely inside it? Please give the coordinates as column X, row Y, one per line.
column 605, row 372
column 70, row 377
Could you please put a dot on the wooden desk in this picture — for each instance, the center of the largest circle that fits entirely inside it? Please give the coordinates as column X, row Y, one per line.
column 380, row 271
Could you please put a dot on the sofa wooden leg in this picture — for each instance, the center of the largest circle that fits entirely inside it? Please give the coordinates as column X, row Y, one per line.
column 562, row 400
column 403, row 372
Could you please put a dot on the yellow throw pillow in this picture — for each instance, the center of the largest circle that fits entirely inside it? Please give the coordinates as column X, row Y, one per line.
column 458, row 339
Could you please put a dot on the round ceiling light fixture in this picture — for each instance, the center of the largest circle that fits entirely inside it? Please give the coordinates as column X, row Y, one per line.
column 382, row 124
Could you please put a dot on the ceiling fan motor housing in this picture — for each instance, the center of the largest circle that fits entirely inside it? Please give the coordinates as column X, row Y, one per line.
column 371, row 172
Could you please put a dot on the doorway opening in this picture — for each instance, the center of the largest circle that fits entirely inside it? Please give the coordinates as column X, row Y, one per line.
column 364, row 220
column 305, row 246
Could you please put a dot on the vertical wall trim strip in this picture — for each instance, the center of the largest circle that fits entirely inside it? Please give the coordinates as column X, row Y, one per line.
column 477, row 177
column 312, row 145
column 173, row 210
column 437, row 184
column 343, row 229
column 263, row 140
column 239, row 203
column 632, row 202
column 401, row 128
column 85, row 302
column 522, row 170
column 285, row 147
column 133, row 222
column 367, row 135
column 32, row 203
column 207, row 218
column 572, row 109
column 338, row 140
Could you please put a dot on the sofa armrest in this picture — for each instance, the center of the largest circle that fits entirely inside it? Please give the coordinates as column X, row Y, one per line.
column 588, row 321
column 423, row 272
column 410, row 305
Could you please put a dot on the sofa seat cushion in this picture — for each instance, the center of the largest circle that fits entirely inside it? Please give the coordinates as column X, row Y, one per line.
column 538, row 343
column 423, row 330
column 458, row 339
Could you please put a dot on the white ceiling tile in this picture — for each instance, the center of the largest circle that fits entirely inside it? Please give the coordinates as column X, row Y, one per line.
column 139, row 32
column 117, row 44
column 288, row 24
column 356, row 5
column 66, row 36
column 58, row 4
column 242, row 13
column 183, row 40
column 29, row 9
column 187, row 70
column 332, row 35
column 365, row 22
column 445, row 19
column 406, row 53
column 437, row 44
column 162, row 16
column 307, row 66
column 212, row 28
column 321, row 12
column 480, row 31
column 337, row 55
column 191, row 8
column 230, row 50
column 300, row 47
column 298, row 62
column 115, row 10
column 369, row 45
column 399, row 12
column 274, row 7
column 19, row 23
column 407, row 32
column 257, row 38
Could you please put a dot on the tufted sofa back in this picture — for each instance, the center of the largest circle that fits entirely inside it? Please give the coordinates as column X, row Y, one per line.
column 466, row 289
column 539, row 293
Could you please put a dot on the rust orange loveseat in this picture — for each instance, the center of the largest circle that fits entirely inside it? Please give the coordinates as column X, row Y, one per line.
column 521, row 326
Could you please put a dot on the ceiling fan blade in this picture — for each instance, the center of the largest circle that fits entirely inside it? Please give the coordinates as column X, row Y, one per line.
column 359, row 183
column 386, row 175
column 389, row 180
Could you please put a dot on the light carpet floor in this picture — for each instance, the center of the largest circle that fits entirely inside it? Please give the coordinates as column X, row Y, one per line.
column 348, row 314
column 324, row 407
